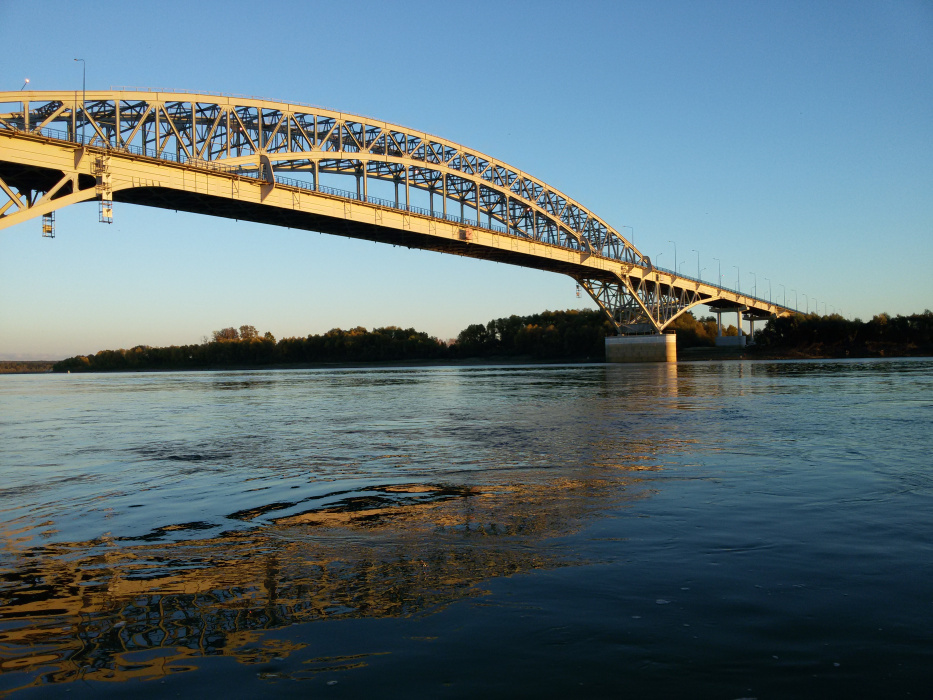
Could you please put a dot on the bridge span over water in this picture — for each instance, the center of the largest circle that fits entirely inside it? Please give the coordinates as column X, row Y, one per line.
column 281, row 163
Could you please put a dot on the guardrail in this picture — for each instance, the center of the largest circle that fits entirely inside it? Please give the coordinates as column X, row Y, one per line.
column 682, row 276
column 387, row 203
column 184, row 159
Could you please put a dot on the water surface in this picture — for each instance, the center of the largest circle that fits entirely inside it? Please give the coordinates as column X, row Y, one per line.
column 722, row 530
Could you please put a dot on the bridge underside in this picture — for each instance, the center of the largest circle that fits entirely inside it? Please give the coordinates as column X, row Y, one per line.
column 31, row 178
column 263, row 214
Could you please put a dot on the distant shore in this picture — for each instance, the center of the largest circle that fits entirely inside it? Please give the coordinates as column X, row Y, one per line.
column 694, row 354
column 26, row 366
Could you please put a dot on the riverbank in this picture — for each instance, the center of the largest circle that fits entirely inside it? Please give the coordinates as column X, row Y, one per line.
column 26, row 366
column 694, row 354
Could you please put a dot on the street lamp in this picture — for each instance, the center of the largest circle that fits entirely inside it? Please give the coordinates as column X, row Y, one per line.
column 699, row 272
column 675, row 256
column 720, row 270
column 24, row 84
column 632, row 239
column 755, row 288
column 769, row 289
column 658, row 259
column 738, row 279
column 785, row 294
column 83, row 95
column 795, row 299
column 807, row 300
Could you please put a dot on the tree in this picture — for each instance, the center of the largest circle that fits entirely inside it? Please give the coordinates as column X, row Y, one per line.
column 225, row 334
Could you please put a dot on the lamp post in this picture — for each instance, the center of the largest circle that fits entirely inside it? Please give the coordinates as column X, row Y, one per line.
column 754, row 288
column 785, row 294
column 675, row 256
column 658, row 259
column 807, row 301
column 720, row 270
column 769, row 289
column 83, row 95
column 738, row 279
column 632, row 239
column 24, row 84
column 795, row 299
column 699, row 272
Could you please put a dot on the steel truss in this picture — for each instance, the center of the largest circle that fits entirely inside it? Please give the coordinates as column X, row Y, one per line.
column 638, row 305
column 253, row 136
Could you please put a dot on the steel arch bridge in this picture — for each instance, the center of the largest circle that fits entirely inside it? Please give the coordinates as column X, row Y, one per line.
column 226, row 156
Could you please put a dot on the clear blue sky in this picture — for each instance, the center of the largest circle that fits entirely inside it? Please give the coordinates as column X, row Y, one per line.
column 789, row 139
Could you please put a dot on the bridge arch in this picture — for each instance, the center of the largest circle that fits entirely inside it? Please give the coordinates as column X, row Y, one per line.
column 291, row 146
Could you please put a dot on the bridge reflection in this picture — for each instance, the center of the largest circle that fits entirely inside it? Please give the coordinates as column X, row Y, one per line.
column 116, row 610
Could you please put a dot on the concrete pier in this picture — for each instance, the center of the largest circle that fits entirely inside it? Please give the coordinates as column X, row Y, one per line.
column 730, row 341
column 642, row 348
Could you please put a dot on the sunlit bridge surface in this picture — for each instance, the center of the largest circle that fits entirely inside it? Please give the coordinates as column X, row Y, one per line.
column 304, row 167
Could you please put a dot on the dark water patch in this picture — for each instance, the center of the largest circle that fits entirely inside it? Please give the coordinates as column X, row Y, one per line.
column 170, row 530
column 176, row 454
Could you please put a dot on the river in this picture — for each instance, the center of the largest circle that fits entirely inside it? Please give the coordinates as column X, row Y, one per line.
column 703, row 530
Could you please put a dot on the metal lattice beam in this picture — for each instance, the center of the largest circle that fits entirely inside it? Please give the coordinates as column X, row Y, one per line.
column 237, row 138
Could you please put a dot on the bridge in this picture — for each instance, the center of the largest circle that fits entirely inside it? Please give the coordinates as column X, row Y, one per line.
column 257, row 160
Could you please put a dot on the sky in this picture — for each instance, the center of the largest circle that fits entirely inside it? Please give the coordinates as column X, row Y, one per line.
column 792, row 141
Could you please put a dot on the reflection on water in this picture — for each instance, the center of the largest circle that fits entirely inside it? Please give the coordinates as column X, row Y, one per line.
column 101, row 609
column 223, row 506
column 150, row 521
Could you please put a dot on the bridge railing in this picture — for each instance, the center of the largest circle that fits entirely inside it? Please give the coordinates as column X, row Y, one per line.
column 388, row 203
column 682, row 276
column 97, row 142
column 182, row 158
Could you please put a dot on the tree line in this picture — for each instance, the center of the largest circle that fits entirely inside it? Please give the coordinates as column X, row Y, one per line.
column 25, row 366
column 548, row 336
column 552, row 335
column 835, row 336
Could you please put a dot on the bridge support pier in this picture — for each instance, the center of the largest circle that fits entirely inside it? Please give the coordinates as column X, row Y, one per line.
column 642, row 348
column 729, row 340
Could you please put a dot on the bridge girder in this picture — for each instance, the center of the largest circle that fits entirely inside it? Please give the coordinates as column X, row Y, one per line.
column 248, row 138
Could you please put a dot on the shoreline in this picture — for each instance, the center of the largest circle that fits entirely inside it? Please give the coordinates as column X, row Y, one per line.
column 693, row 354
